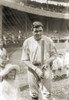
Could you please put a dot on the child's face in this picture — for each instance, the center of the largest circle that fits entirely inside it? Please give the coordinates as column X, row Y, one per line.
column 60, row 55
column 3, row 63
column 12, row 74
column 67, row 49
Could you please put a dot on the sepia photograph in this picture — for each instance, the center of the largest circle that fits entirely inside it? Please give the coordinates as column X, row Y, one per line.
column 34, row 49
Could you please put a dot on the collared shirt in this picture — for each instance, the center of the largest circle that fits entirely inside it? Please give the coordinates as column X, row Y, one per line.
column 32, row 49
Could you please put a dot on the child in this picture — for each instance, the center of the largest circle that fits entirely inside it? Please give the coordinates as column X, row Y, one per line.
column 3, row 56
column 57, row 65
column 66, row 61
column 8, row 86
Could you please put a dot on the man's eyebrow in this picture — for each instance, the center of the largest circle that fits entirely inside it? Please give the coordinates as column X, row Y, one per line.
column 37, row 30
column 37, row 26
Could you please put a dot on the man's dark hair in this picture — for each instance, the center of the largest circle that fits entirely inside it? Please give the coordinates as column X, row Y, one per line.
column 36, row 24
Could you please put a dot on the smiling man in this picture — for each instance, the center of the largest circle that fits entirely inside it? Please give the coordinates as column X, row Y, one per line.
column 31, row 56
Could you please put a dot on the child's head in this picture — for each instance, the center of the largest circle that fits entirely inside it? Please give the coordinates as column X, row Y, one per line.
column 67, row 49
column 3, row 63
column 60, row 55
column 10, row 71
column 3, row 60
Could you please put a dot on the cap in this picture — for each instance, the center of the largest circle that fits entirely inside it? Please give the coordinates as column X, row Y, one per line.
column 8, row 68
column 37, row 24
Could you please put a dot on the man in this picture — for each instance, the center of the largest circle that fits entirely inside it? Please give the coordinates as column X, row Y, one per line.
column 31, row 56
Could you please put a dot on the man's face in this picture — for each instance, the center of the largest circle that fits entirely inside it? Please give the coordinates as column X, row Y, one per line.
column 37, row 33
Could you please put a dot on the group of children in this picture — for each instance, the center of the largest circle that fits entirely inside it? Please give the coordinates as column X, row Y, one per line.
column 61, row 63
column 8, row 86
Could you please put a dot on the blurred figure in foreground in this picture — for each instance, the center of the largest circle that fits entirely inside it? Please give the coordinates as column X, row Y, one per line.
column 9, row 89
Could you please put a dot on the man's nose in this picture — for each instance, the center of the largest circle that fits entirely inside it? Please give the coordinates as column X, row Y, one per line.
column 37, row 33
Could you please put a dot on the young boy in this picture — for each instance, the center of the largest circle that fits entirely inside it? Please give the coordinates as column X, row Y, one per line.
column 66, row 61
column 57, row 65
column 9, row 89
column 3, row 56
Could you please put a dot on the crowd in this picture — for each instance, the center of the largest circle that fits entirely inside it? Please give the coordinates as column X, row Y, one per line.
column 48, row 7
column 44, row 6
column 13, row 38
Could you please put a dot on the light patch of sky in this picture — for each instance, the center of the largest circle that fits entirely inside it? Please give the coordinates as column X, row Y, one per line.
column 41, row 1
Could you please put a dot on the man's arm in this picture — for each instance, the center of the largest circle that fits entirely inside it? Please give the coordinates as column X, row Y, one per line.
column 37, row 70
column 30, row 65
column 52, row 53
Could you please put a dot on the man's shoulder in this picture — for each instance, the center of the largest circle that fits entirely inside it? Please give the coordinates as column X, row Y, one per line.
column 29, row 39
column 46, row 38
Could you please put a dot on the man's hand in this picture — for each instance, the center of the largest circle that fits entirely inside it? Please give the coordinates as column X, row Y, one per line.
column 45, row 66
column 39, row 73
